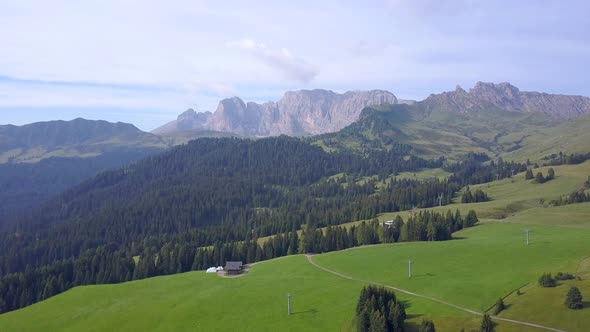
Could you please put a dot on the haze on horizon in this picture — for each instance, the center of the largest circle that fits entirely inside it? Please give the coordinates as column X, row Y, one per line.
column 146, row 62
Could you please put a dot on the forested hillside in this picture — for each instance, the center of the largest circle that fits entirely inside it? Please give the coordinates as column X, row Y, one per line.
column 24, row 186
column 210, row 192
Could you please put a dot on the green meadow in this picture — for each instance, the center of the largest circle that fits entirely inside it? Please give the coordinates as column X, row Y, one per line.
column 483, row 263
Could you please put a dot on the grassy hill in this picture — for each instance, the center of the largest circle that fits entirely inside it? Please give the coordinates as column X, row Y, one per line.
column 513, row 136
column 198, row 301
column 484, row 263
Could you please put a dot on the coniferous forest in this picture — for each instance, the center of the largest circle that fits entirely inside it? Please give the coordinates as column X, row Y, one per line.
column 208, row 201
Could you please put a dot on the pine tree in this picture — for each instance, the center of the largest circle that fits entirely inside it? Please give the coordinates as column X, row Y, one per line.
column 550, row 174
column 398, row 315
column 426, row 326
column 574, row 300
column 539, row 178
column 377, row 322
column 487, row 325
column 364, row 321
column 529, row 174
column 499, row 306
column 470, row 219
column 546, row 280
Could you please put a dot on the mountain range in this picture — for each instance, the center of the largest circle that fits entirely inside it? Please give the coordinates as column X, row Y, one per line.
column 312, row 112
column 91, row 202
column 297, row 113
column 41, row 159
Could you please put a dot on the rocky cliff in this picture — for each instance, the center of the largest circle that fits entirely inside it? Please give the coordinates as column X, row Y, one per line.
column 302, row 112
column 490, row 96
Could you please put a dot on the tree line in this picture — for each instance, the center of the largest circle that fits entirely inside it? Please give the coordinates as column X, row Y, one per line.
column 565, row 159
column 108, row 264
column 476, row 197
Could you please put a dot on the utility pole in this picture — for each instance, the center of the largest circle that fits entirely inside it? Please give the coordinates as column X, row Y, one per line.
column 527, row 230
column 289, row 304
column 409, row 268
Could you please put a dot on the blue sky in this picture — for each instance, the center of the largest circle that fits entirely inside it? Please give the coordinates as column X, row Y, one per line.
column 145, row 62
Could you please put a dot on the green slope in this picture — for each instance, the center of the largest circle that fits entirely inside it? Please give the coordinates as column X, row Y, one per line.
column 448, row 133
column 199, row 301
column 488, row 262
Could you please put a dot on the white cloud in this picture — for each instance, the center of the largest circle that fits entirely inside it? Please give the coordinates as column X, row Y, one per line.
column 177, row 49
column 293, row 68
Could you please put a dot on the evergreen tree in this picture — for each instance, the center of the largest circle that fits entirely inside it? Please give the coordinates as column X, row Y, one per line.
column 426, row 326
column 499, row 306
column 529, row 174
column 377, row 322
column 546, row 280
column 471, row 219
column 487, row 325
column 364, row 321
column 550, row 174
column 574, row 300
column 539, row 178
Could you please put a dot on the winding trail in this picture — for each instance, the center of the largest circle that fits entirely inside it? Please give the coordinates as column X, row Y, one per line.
column 310, row 260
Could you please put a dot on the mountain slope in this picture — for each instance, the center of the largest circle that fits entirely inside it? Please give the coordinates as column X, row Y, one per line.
column 76, row 138
column 302, row 112
column 44, row 158
column 454, row 123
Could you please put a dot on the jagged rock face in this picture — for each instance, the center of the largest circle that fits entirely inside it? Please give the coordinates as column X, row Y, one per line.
column 297, row 113
column 489, row 96
column 302, row 112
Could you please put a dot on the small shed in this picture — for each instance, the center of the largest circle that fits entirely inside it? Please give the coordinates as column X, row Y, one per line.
column 233, row 267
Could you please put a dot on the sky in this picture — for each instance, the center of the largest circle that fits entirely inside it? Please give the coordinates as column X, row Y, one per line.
column 145, row 62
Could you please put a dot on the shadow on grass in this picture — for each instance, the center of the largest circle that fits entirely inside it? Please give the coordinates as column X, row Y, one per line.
column 586, row 305
column 424, row 275
column 310, row 311
column 459, row 238
column 532, row 243
column 411, row 326
column 413, row 316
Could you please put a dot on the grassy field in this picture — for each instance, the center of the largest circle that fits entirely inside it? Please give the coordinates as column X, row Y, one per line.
column 197, row 301
column 425, row 174
column 546, row 306
column 489, row 262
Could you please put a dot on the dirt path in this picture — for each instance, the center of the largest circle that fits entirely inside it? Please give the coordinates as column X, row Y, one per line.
column 310, row 259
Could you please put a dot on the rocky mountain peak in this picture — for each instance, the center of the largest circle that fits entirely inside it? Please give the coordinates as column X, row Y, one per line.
column 186, row 115
column 488, row 96
column 300, row 112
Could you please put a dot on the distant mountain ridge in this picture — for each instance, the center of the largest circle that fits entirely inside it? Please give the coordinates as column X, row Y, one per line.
column 44, row 158
column 504, row 96
column 75, row 138
column 304, row 112
column 312, row 112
